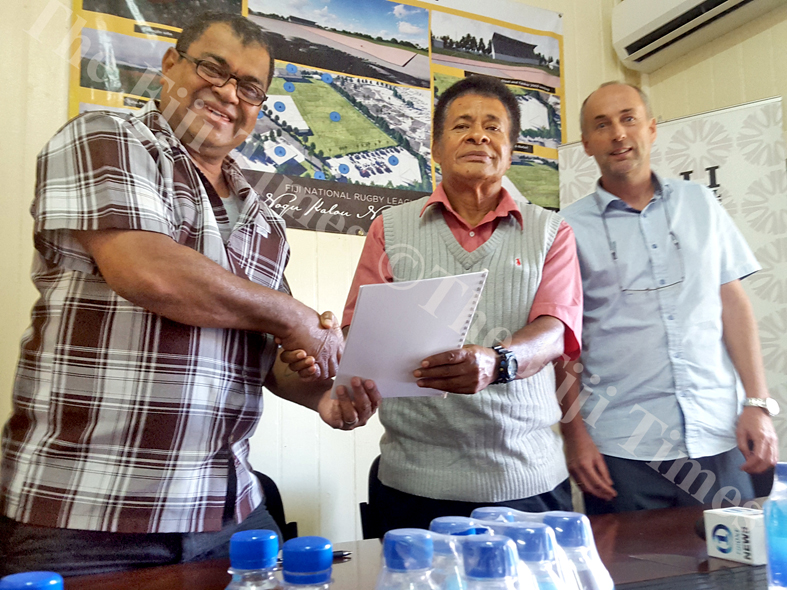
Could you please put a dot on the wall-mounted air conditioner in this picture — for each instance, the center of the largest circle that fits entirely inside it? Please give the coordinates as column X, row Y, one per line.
column 648, row 34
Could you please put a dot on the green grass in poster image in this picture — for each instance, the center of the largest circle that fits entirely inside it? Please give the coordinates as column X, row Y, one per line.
column 538, row 183
column 316, row 100
column 442, row 82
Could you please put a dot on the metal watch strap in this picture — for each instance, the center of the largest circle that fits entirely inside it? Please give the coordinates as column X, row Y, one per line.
column 503, row 356
column 766, row 403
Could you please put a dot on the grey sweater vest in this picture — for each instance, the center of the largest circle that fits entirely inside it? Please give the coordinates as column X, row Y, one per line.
column 498, row 444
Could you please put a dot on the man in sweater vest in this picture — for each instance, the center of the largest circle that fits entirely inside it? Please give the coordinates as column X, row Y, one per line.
column 671, row 362
column 490, row 441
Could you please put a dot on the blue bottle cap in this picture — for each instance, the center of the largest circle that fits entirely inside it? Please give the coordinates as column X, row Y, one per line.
column 452, row 525
column 475, row 530
column 572, row 529
column 781, row 471
column 500, row 513
column 32, row 581
column 307, row 560
column 489, row 557
column 534, row 541
column 254, row 550
column 408, row 549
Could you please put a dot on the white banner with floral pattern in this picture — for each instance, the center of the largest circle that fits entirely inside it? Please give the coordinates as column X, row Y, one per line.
column 739, row 152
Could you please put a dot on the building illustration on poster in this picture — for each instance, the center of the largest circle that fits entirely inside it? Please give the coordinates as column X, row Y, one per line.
column 346, row 129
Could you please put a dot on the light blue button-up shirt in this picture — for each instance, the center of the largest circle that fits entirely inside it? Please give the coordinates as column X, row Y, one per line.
column 660, row 380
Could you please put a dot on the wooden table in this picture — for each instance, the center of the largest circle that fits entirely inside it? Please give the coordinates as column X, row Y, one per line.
column 638, row 548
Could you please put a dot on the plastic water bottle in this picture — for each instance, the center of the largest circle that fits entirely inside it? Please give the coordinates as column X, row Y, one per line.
column 407, row 555
column 505, row 514
column 490, row 563
column 775, row 511
column 574, row 535
column 535, row 545
column 447, row 570
column 457, row 525
column 496, row 513
column 32, row 581
column 306, row 563
column 253, row 560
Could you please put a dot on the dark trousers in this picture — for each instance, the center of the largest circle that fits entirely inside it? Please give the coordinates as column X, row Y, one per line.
column 641, row 485
column 393, row 509
column 71, row 552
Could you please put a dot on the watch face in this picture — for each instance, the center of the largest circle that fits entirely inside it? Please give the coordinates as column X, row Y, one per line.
column 512, row 367
column 768, row 404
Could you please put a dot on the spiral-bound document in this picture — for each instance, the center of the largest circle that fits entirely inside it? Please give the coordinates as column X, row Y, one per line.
column 397, row 325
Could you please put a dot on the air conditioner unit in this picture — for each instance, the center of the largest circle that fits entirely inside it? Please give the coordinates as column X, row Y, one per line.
column 648, row 34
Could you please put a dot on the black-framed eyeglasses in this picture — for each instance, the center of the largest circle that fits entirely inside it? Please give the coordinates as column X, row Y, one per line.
column 614, row 253
column 218, row 75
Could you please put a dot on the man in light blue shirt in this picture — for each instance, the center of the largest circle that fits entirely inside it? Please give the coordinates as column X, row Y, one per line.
column 670, row 346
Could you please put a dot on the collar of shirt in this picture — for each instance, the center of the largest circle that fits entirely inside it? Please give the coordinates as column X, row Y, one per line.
column 150, row 115
column 468, row 237
column 507, row 205
column 604, row 198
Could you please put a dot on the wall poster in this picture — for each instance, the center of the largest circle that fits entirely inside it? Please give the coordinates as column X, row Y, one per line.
column 346, row 130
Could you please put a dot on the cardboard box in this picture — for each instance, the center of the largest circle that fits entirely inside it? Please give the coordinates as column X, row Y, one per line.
column 737, row 534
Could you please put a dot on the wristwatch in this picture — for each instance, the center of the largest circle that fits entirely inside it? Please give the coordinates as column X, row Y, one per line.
column 768, row 404
column 507, row 365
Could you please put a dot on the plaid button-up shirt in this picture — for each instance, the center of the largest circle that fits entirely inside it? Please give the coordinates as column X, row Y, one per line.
column 124, row 420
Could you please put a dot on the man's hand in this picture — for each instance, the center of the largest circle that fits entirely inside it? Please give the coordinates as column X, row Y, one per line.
column 587, row 466
column 466, row 370
column 313, row 349
column 302, row 363
column 156, row 273
column 757, row 440
column 754, row 432
column 349, row 412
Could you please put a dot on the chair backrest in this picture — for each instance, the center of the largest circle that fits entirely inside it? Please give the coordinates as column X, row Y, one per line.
column 370, row 522
column 289, row 530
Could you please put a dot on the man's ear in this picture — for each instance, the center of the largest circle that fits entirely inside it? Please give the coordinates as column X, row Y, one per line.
column 437, row 154
column 171, row 57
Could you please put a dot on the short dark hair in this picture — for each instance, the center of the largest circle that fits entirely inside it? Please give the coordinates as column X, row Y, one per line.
column 247, row 31
column 484, row 86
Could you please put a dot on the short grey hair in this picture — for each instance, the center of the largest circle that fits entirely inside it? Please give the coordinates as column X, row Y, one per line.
column 642, row 96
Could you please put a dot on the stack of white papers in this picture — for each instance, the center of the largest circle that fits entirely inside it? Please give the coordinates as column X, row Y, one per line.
column 397, row 325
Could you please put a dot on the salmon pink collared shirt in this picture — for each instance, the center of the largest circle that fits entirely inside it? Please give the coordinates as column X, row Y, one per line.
column 559, row 295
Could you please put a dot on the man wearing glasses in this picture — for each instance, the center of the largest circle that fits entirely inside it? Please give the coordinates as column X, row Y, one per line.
column 668, row 330
column 163, row 297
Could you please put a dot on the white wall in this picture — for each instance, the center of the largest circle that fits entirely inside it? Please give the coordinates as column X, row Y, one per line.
column 745, row 65
column 35, row 107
